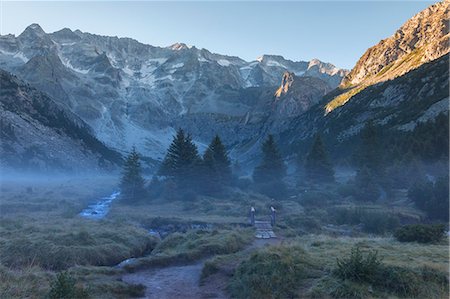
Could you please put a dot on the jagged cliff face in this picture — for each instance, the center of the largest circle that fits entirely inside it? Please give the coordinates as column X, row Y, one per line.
column 397, row 84
column 39, row 134
column 421, row 39
column 134, row 94
column 297, row 95
column 397, row 105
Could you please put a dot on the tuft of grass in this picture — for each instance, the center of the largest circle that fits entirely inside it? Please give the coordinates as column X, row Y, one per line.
column 370, row 270
column 58, row 245
column 64, row 286
column 27, row 282
column 275, row 272
column 358, row 267
column 422, row 233
column 193, row 245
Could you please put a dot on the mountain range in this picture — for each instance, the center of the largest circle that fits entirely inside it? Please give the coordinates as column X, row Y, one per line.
column 122, row 93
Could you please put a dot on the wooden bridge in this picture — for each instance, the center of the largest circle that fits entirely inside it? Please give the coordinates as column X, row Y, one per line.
column 264, row 230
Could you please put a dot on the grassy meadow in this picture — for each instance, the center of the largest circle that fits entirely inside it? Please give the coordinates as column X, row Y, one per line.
column 41, row 235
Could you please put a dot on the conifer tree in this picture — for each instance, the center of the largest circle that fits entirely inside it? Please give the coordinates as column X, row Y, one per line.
column 269, row 174
column 317, row 167
column 217, row 164
column 369, row 152
column 272, row 167
column 132, row 182
column 182, row 162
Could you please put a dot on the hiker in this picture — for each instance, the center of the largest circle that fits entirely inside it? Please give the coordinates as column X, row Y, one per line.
column 252, row 216
column 272, row 215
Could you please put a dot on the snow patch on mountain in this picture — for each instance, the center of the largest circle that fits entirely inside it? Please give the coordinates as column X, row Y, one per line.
column 223, row 62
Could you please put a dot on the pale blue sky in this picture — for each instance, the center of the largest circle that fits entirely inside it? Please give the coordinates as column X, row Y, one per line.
column 334, row 31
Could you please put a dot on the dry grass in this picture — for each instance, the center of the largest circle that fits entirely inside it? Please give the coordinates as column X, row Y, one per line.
column 327, row 248
column 323, row 251
column 182, row 248
column 41, row 232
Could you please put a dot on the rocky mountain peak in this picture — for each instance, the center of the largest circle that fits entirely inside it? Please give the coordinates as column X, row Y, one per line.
column 179, row 46
column 65, row 35
column 286, row 82
column 33, row 31
column 421, row 39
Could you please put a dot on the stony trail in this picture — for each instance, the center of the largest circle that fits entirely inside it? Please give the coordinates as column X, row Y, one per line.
column 183, row 281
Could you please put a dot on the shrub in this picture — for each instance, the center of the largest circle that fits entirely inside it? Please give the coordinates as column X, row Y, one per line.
column 64, row 287
column 350, row 290
column 209, row 268
column 379, row 223
column 276, row 272
column 399, row 280
column 421, row 233
column 370, row 271
column 357, row 267
column 316, row 198
column 432, row 197
column 375, row 222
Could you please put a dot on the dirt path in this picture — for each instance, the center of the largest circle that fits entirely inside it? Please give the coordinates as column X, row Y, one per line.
column 171, row 282
column 183, row 281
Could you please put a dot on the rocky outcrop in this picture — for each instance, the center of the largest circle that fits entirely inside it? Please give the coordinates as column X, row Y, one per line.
column 297, row 94
column 421, row 39
column 286, row 82
column 39, row 134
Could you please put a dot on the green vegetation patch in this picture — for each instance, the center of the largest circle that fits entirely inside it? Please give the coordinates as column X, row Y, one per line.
column 181, row 248
column 422, row 233
column 275, row 272
column 368, row 269
column 58, row 245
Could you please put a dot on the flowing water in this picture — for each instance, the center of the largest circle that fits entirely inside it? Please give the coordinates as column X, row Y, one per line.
column 100, row 209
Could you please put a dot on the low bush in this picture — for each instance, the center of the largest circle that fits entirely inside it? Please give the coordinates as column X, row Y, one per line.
column 421, row 233
column 276, row 272
column 379, row 222
column 398, row 280
column 358, row 267
column 375, row 222
column 209, row 268
column 64, row 287
column 369, row 270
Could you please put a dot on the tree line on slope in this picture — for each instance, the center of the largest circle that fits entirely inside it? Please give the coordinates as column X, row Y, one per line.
column 184, row 173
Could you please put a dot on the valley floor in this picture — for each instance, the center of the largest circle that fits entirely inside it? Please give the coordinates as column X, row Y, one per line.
column 204, row 243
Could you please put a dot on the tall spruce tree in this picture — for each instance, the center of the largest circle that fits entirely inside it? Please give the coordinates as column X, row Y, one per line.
column 318, row 167
column 216, row 158
column 182, row 162
column 132, row 182
column 217, row 166
column 369, row 153
column 270, row 173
